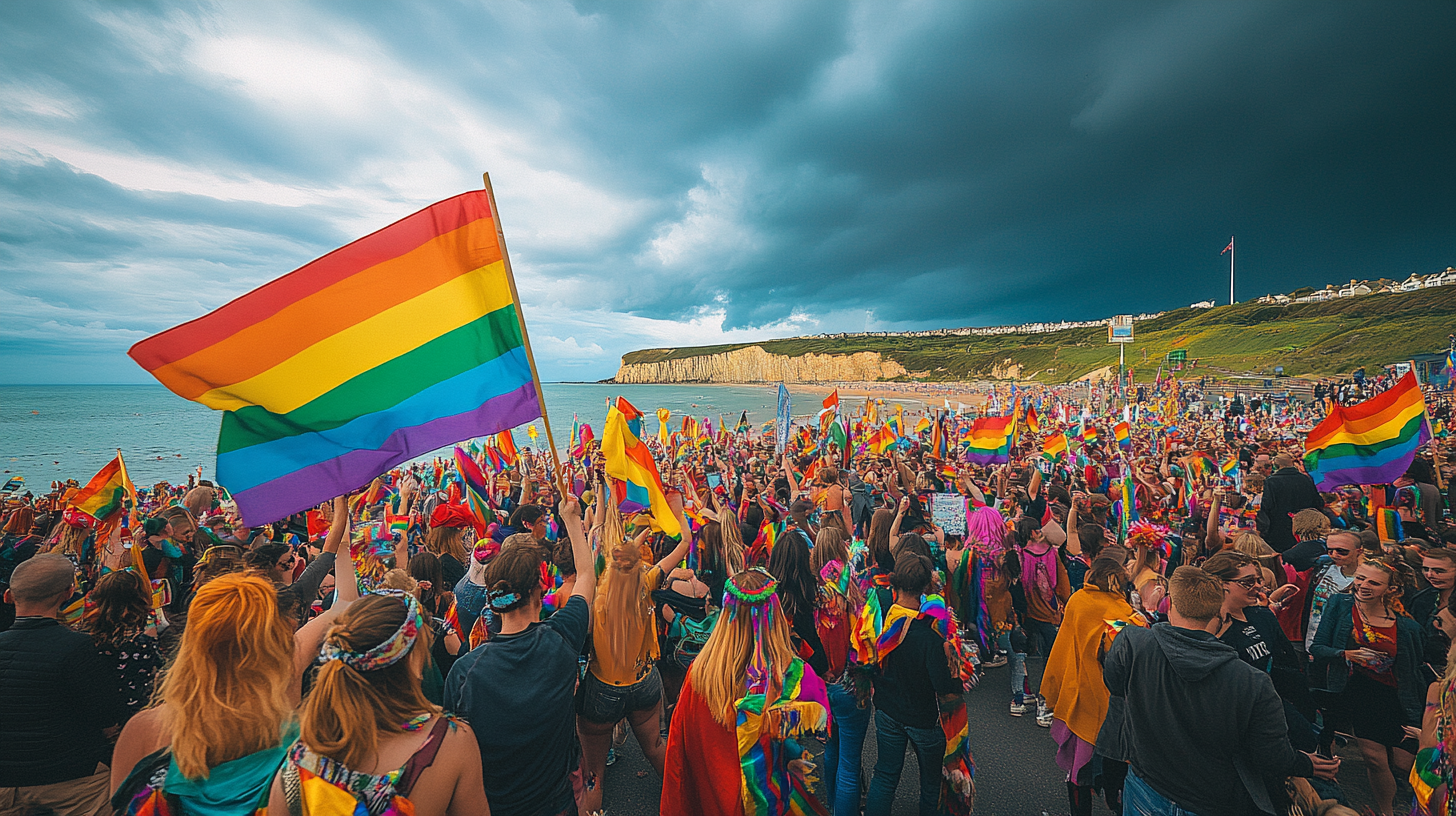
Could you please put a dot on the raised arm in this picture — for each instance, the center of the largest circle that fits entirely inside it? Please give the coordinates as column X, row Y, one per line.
column 1074, row 541
column 581, row 554
column 790, row 475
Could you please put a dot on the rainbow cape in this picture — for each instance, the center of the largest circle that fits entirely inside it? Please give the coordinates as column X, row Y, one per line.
column 1372, row 442
column 397, row 344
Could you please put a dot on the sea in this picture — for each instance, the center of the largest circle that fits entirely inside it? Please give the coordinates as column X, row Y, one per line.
column 58, row 432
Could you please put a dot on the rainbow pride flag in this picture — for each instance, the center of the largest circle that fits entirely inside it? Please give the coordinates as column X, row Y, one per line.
column 1230, row 465
column 1122, row 432
column 397, row 344
column 630, row 462
column 989, row 440
column 104, row 494
column 1054, row 445
column 476, row 491
column 1369, row 443
column 881, row 440
column 1033, row 422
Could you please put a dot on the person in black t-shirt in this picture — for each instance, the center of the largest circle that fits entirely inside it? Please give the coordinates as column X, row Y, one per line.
column 516, row 690
column 1253, row 631
column 913, row 683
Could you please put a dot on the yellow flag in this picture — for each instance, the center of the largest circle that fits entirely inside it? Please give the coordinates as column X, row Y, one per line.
column 662, row 415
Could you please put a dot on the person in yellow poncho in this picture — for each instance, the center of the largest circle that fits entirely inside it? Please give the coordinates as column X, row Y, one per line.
column 1073, row 684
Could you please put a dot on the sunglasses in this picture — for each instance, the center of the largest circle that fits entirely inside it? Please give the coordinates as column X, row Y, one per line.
column 1339, row 551
column 1249, row 582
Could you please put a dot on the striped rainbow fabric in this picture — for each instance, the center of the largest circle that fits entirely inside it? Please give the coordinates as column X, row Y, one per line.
column 1372, row 442
column 989, row 440
column 397, row 344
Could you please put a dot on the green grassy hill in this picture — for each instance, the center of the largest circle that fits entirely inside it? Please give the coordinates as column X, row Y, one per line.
column 1318, row 339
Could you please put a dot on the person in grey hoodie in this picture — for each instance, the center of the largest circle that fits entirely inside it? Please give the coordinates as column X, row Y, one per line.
column 1203, row 732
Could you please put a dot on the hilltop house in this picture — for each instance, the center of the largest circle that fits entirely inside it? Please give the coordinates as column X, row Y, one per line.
column 1354, row 289
column 1412, row 283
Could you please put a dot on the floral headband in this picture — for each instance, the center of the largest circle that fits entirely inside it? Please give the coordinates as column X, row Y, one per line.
column 391, row 649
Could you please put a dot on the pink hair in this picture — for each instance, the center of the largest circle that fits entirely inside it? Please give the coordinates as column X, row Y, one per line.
column 986, row 531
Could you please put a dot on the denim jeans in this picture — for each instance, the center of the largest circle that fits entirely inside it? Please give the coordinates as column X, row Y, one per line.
column 1140, row 800
column 1017, row 663
column 1039, row 636
column 891, row 737
column 843, row 752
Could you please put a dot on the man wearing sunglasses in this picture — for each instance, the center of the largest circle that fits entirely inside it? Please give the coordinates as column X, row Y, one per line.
column 1333, row 574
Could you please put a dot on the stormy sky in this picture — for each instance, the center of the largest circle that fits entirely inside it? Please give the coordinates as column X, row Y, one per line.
column 684, row 173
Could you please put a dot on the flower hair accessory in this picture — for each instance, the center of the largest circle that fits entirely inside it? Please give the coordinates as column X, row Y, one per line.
column 1152, row 536
column 388, row 652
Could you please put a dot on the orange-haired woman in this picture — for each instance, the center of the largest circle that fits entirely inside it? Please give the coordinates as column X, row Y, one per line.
column 226, row 715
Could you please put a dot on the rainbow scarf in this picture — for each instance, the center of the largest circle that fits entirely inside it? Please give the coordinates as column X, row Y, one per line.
column 881, row 630
column 958, row 767
column 775, row 771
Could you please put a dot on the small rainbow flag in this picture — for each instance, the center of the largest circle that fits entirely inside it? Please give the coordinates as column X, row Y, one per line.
column 104, row 494
column 1089, row 433
column 630, row 462
column 1122, row 432
column 1054, row 445
column 923, row 425
column 881, row 440
column 1033, row 422
column 395, row 345
column 989, row 440
column 1369, row 443
column 1230, row 465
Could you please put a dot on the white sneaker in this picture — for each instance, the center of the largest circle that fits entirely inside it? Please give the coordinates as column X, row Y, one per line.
column 995, row 661
column 1045, row 721
column 1042, row 712
column 1017, row 709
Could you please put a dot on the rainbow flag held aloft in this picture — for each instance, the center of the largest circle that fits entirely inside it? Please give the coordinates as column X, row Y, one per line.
column 1089, row 433
column 923, row 425
column 105, row 493
column 476, row 490
column 1033, row 422
column 630, row 462
column 1122, row 432
column 1054, row 445
column 989, row 440
column 1372, row 442
column 397, row 344
column 881, row 440
column 1230, row 465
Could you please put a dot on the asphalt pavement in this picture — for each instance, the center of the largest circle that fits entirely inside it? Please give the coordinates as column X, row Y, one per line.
column 1016, row 770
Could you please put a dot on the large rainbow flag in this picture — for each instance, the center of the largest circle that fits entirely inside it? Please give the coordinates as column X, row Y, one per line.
column 630, row 462
column 1372, row 442
column 989, row 440
column 397, row 344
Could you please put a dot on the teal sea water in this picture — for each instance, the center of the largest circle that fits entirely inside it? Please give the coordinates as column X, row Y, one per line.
column 50, row 432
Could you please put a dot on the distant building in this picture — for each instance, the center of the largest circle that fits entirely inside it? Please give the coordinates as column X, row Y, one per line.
column 1354, row 289
column 1202, row 304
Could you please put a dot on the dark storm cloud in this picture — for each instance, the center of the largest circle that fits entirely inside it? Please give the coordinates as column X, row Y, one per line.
column 675, row 173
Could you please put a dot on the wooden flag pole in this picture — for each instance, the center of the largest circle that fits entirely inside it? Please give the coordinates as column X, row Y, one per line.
column 500, row 237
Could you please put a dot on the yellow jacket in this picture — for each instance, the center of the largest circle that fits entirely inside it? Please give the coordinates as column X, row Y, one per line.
column 1072, row 684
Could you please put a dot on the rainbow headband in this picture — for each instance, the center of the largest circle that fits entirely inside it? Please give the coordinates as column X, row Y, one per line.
column 391, row 649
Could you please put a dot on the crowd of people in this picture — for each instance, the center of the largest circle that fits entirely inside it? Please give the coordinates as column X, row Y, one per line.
column 1196, row 638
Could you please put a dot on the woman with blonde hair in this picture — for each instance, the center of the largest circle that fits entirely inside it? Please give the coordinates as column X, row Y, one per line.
column 747, row 699
column 837, row 606
column 1432, row 773
column 1373, row 651
column 368, row 731
column 622, row 679
column 226, row 712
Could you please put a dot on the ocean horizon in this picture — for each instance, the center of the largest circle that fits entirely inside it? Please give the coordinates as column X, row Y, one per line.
column 58, row 432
